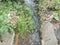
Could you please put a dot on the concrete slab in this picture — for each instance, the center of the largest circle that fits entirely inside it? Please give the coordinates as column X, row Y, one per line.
column 48, row 35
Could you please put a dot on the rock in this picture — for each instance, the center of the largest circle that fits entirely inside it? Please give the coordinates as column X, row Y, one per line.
column 48, row 35
column 57, row 32
column 7, row 39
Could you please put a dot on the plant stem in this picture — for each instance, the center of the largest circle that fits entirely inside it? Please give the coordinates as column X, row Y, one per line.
column 16, row 38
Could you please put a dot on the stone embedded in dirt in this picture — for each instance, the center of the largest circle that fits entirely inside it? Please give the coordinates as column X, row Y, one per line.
column 7, row 39
column 48, row 35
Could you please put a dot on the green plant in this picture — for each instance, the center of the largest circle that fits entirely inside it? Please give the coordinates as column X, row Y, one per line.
column 55, row 14
column 25, row 21
column 4, row 26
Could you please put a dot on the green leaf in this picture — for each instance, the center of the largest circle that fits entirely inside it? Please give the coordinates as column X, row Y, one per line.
column 55, row 15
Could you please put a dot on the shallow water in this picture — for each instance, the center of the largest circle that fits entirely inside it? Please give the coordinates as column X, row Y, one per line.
column 34, row 35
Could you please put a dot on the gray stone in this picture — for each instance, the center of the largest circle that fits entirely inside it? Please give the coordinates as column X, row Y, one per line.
column 48, row 35
column 57, row 33
column 7, row 39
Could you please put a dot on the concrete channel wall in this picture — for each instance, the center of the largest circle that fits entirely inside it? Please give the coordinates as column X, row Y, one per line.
column 8, row 39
